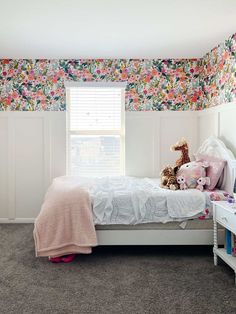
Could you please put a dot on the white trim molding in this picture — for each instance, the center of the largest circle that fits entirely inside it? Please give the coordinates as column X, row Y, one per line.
column 69, row 84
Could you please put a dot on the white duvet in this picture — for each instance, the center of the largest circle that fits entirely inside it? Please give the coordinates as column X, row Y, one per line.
column 130, row 200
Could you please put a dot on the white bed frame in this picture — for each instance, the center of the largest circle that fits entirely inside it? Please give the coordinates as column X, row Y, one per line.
column 164, row 237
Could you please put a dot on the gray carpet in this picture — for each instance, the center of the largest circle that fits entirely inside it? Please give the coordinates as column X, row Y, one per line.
column 112, row 280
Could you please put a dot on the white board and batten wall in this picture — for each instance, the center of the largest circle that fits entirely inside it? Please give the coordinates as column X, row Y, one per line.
column 33, row 149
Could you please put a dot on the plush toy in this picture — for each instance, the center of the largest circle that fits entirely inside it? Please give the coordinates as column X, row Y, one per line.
column 181, row 146
column 168, row 174
column 201, row 182
column 220, row 196
column 182, row 183
column 188, row 174
column 168, row 178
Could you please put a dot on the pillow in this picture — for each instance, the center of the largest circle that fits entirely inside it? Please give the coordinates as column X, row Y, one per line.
column 189, row 173
column 215, row 169
column 213, row 146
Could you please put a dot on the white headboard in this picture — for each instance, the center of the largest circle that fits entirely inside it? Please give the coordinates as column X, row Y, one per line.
column 220, row 121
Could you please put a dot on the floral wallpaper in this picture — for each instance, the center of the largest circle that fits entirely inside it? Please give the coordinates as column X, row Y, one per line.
column 151, row 84
column 193, row 84
column 218, row 74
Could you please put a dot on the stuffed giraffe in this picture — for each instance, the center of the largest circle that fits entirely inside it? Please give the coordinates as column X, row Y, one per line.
column 182, row 146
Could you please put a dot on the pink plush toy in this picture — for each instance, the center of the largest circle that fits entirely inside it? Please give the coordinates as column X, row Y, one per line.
column 188, row 174
column 181, row 182
column 203, row 181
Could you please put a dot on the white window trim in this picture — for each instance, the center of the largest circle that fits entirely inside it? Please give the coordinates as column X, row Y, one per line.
column 69, row 84
column 121, row 132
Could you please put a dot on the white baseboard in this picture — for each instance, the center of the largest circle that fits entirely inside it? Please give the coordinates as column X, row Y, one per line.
column 17, row 220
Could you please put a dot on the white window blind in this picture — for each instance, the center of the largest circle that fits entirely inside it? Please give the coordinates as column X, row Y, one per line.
column 95, row 130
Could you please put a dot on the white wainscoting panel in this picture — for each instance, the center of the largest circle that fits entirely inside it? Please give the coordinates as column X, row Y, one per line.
column 227, row 126
column 29, row 165
column 58, row 145
column 207, row 124
column 141, row 144
column 33, row 153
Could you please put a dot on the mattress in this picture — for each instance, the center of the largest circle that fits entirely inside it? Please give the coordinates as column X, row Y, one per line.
column 194, row 224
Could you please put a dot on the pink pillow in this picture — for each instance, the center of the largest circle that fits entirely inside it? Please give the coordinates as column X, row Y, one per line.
column 189, row 173
column 215, row 169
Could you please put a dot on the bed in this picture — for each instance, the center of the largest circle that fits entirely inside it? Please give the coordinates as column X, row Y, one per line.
column 79, row 213
column 192, row 230
column 127, row 224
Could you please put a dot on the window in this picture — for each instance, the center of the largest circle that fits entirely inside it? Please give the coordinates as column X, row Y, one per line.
column 95, row 129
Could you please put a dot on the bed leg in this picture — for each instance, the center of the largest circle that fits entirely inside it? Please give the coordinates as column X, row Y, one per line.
column 216, row 261
column 215, row 235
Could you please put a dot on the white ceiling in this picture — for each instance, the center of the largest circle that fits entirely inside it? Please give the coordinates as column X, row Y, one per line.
column 114, row 29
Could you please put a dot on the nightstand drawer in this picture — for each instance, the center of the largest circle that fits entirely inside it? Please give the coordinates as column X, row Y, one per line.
column 226, row 218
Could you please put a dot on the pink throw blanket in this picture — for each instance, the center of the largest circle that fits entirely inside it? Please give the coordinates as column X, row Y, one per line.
column 65, row 223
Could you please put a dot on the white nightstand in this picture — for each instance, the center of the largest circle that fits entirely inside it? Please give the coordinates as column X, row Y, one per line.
column 225, row 215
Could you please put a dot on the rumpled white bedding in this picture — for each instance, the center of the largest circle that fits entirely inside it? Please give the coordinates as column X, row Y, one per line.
column 131, row 200
column 185, row 204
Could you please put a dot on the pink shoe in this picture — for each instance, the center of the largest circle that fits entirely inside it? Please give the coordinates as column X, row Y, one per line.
column 57, row 259
column 68, row 258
